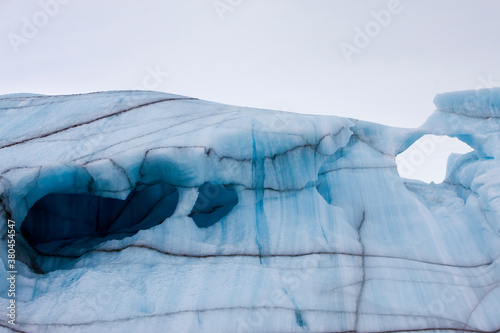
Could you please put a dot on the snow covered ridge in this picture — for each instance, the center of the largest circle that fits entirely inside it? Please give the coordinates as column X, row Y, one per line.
column 151, row 212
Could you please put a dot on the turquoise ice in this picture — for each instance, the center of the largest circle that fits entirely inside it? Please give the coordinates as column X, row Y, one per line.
column 244, row 220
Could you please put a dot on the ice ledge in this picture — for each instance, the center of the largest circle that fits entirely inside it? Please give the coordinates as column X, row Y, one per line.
column 482, row 103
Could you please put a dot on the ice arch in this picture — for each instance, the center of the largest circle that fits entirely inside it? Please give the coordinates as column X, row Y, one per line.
column 69, row 224
column 427, row 158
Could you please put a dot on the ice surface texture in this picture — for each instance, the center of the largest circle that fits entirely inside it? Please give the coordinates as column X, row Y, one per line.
column 150, row 212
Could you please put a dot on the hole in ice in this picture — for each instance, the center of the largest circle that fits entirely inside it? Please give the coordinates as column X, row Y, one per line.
column 68, row 224
column 213, row 203
column 427, row 158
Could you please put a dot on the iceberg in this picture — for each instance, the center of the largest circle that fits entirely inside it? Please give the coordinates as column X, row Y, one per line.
column 142, row 211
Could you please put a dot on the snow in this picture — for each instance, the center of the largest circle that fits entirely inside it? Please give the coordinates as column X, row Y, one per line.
column 280, row 222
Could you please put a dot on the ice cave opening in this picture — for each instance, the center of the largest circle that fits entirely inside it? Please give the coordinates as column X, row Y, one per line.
column 427, row 158
column 213, row 203
column 69, row 224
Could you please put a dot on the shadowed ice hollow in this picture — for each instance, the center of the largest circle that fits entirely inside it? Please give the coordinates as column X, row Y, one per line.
column 151, row 212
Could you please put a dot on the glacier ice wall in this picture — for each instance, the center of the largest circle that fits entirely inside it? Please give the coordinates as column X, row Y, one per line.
column 151, row 212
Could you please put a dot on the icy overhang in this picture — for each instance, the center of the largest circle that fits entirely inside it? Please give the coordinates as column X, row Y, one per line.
column 302, row 218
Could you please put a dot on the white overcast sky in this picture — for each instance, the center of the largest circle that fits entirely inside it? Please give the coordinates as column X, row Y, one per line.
column 277, row 54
